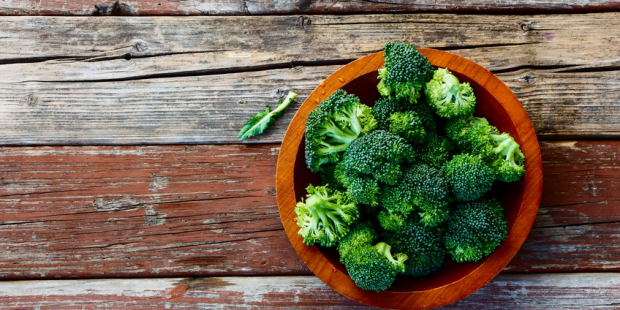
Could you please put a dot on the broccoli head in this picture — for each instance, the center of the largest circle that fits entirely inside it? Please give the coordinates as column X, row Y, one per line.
column 475, row 229
column 325, row 215
column 436, row 150
column 364, row 190
column 468, row 176
column 392, row 221
column 405, row 72
column 333, row 125
column 422, row 244
column 423, row 190
column 408, row 125
column 374, row 267
column 362, row 233
column 509, row 160
column 385, row 107
column 448, row 97
column 380, row 155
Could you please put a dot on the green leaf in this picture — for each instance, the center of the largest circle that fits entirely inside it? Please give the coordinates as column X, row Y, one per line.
column 263, row 120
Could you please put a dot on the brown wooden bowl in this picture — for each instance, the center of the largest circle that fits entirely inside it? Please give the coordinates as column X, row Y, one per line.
column 453, row 281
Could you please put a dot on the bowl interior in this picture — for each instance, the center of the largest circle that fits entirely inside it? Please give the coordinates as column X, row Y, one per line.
column 509, row 194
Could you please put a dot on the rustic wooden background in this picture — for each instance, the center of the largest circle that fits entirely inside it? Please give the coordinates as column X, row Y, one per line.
column 122, row 183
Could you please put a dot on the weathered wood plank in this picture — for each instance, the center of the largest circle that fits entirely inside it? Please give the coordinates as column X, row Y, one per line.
column 211, row 210
column 522, row 291
column 185, row 78
column 240, row 7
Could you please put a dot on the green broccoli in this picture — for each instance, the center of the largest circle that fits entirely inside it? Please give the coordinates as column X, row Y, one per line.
column 385, row 107
column 362, row 233
column 468, row 176
column 423, row 190
column 448, row 97
column 501, row 152
column 422, row 244
column 380, row 155
column 325, row 215
column 374, row 267
column 475, row 229
column 405, row 72
column 329, row 177
column 333, row 125
column 364, row 190
column 408, row 125
column 436, row 150
column 392, row 221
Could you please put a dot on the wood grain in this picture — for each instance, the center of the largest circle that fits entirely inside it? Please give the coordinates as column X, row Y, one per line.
column 196, row 80
column 240, row 7
column 531, row 291
column 102, row 211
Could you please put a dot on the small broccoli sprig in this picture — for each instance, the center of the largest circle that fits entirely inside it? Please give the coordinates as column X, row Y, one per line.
column 509, row 160
column 448, row 97
column 364, row 189
column 475, row 229
column 436, row 150
column 374, row 267
column 408, row 126
column 333, row 125
column 422, row 244
column 422, row 190
column 468, row 176
column 362, row 233
column 325, row 215
column 405, row 72
column 385, row 107
column 392, row 221
column 263, row 120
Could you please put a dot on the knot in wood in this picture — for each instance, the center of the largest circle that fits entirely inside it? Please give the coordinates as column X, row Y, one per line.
column 139, row 46
column 529, row 78
column 31, row 100
column 525, row 26
column 303, row 23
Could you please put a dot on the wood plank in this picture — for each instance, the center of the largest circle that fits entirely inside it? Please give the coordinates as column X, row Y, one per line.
column 523, row 291
column 211, row 210
column 225, row 69
column 240, row 7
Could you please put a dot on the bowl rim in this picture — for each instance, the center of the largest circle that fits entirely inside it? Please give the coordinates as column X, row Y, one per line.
column 447, row 293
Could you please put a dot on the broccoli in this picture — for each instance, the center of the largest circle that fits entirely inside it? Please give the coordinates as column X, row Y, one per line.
column 475, row 229
column 365, row 190
column 380, row 155
column 333, row 125
column 468, row 176
column 330, row 178
column 361, row 234
column 405, row 72
column 448, row 97
column 392, row 221
column 408, row 125
column 422, row 244
column 501, row 152
column 436, row 150
column 374, row 267
column 325, row 216
column 424, row 190
column 385, row 107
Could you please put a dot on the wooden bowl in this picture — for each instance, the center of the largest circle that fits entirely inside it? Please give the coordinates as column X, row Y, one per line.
column 453, row 281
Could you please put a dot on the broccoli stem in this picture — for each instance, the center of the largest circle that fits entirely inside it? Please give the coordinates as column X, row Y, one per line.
column 507, row 147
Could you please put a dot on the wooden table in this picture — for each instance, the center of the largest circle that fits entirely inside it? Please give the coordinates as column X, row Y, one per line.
column 122, row 183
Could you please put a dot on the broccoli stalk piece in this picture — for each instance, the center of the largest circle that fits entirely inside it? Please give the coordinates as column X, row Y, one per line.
column 468, row 176
column 333, row 126
column 405, row 72
column 408, row 125
column 509, row 162
column 325, row 215
column 423, row 246
column 448, row 97
column 374, row 267
column 475, row 229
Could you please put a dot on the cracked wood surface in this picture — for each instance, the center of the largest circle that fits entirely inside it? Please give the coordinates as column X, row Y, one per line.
column 244, row 7
column 191, row 80
column 128, row 211
column 509, row 291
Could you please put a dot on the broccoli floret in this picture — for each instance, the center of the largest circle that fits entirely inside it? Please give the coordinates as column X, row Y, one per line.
column 405, row 72
column 423, row 190
column 468, row 176
column 475, row 229
column 325, row 215
column 380, row 155
column 501, row 152
column 436, row 150
column 422, row 244
column 426, row 114
column 364, row 190
column 448, row 97
column 392, row 221
column 408, row 125
column 333, row 125
column 330, row 178
column 509, row 160
column 374, row 267
column 362, row 233
column 385, row 107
